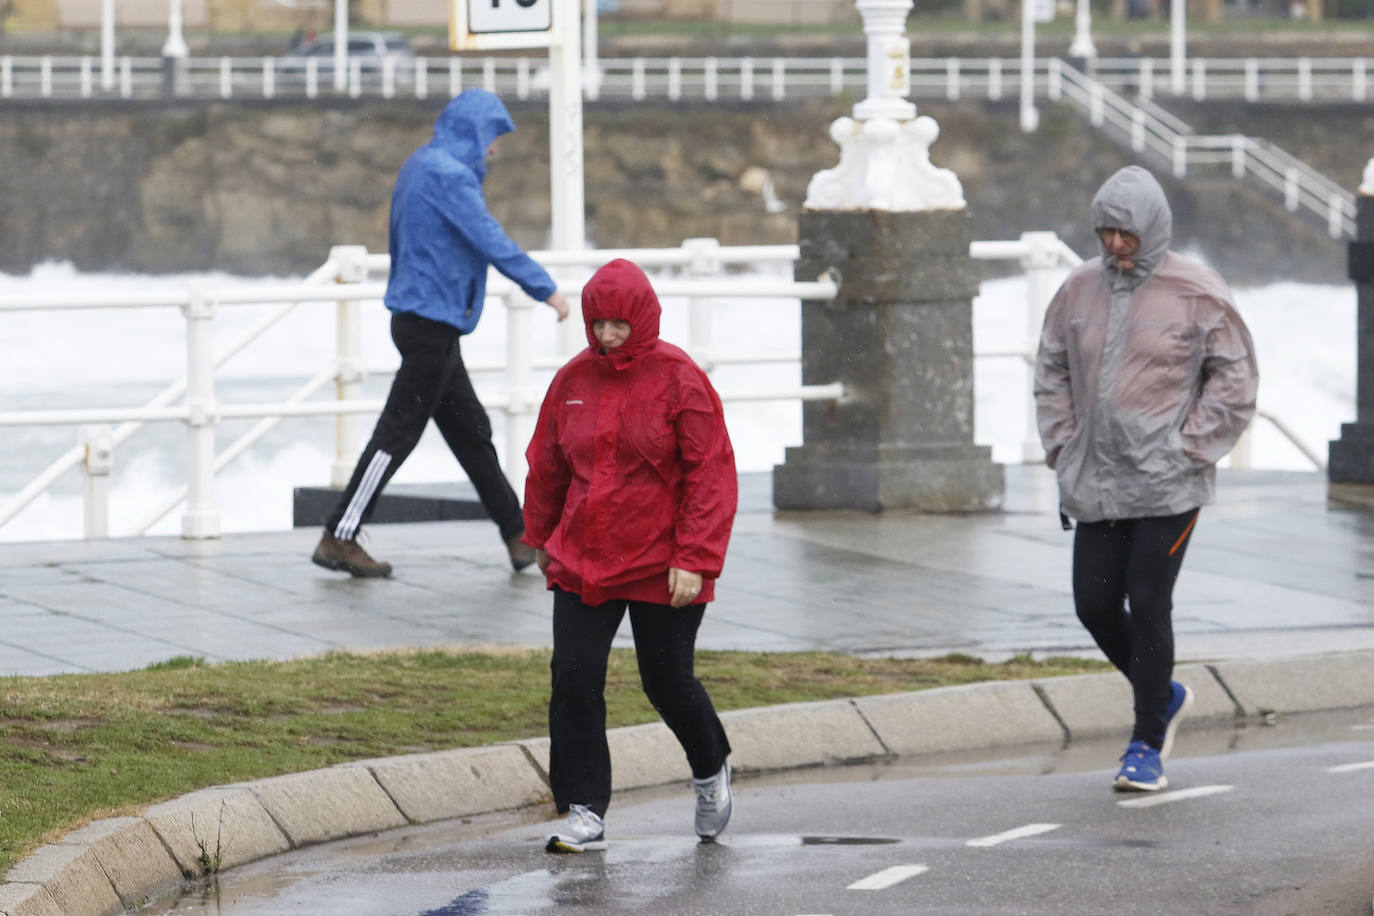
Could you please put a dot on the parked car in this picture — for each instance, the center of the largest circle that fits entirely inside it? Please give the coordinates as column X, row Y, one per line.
column 371, row 49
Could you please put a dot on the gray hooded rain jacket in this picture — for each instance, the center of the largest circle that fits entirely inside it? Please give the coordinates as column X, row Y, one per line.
column 1144, row 379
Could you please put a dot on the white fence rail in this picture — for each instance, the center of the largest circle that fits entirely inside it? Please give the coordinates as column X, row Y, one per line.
column 346, row 279
column 1255, row 79
column 1150, row 129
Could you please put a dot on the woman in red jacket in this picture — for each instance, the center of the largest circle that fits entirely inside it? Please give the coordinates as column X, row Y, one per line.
column 629, row 502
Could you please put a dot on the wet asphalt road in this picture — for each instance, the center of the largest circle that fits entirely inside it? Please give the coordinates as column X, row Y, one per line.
column 1259, row 820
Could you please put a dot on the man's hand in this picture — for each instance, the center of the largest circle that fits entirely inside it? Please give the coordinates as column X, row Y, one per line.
column 541, row 559
column 683, row 587
column 559, row 305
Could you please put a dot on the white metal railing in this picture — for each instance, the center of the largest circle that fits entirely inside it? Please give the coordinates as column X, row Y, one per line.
column 1258, row 79
column 346, row 279
column 1149, row 129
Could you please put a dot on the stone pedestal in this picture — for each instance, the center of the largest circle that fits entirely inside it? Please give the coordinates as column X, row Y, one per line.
column 1351, row 457
column 900, row 337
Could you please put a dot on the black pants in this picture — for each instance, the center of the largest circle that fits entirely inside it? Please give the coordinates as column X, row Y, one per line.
column 1136, row 562
column 665, row 645
column 432, row 382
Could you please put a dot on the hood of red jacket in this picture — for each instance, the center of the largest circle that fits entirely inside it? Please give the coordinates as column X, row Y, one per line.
column 620, row 291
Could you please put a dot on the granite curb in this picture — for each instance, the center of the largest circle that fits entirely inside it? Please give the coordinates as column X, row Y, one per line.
column 118, row 864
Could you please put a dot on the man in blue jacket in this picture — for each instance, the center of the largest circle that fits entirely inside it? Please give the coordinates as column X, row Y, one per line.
column 443, row 239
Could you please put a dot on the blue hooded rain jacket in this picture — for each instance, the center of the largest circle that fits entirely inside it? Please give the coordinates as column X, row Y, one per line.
column 442, row 236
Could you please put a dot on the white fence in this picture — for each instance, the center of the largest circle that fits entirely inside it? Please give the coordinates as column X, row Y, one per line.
column 1255, row 79
column 347, row 279
column 1148, row 128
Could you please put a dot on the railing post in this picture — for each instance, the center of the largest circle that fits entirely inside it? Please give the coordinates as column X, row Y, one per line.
column 201, row 519
column 45, row 76
column 994, row 78
column 126, row 77
column 836, row 76
column 355, row 77
column 1180, row 156
column 779, row 79
column 952, row 78
column 1147, row 79
column 746, row 78
column 351, row 261
column 87, row 83
column 1238, row 151
column 1054, row 83
column 1358, row 80
column 455, row 76
column 6, row 76
column 269, row 78
column 1039, row 262
column 489, row 74
column 674, row 78
column 1199, row 78
column 637, row 79
column 97, row 464
column 710, row 80
column 226, row 77
column 312, row 77
column 1138, row 129
column 1251, row 80
column 521, row 401
column 1305, row 79
column 522, row 78
column 388, row 77
column 705, row 262
column 421, row 77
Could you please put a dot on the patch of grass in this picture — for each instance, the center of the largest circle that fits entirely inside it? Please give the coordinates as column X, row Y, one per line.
column 74, row 748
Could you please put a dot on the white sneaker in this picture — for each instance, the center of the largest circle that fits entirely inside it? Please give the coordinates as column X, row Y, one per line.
column 714, row 803
column 584, row 832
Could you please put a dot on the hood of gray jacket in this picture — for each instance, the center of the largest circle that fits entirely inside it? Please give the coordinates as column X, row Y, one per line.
column 1132, row 201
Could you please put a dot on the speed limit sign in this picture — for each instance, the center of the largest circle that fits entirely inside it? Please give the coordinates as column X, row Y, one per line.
column 486, row 16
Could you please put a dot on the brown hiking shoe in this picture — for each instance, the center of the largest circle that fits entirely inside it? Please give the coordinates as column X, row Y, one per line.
column 521, row 554
column 333, row 553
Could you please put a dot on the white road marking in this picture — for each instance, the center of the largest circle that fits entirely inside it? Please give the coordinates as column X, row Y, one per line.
column 1017, row 834
column 887, row 877
column 1351, row 767
column 1164, row 798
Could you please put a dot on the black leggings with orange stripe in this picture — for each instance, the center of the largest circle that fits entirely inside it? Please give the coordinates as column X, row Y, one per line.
column 1123, row 585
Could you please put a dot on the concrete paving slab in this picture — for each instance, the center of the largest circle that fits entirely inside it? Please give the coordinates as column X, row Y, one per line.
column 960, row 718
column 445, row 784
column 27, row 900
column 72, row 876
column 798, row 735
column 322, row 805
column 131, row 855
column 215, row 829
column 1330, row 681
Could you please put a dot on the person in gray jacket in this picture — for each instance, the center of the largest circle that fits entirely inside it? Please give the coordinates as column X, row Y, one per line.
column 1145, row 378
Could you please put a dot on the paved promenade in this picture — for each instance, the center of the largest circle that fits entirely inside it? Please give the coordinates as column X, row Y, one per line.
column 1273, row 570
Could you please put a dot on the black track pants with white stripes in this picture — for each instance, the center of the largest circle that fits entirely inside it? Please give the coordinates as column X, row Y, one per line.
column 432, row 382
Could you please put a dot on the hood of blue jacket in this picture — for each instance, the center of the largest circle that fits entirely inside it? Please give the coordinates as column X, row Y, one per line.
column 468, row 125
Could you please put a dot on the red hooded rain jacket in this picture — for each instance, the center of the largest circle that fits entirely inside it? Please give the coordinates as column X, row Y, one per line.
column 631, row 469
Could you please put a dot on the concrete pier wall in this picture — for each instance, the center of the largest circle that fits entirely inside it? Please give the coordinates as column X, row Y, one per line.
column 267, row 188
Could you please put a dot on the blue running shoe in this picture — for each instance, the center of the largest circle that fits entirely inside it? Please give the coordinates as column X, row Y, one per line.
column 1140, row 770
column 1180, row 698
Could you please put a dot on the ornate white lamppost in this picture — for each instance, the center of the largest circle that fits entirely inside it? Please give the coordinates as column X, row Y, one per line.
column 1082, row 46
column 885, row 148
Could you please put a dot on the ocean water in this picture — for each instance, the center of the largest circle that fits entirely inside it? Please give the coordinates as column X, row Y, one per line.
column 1305, row 336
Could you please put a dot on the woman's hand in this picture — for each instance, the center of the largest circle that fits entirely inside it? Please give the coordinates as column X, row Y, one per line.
column 683, row 587
column 541, row 559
